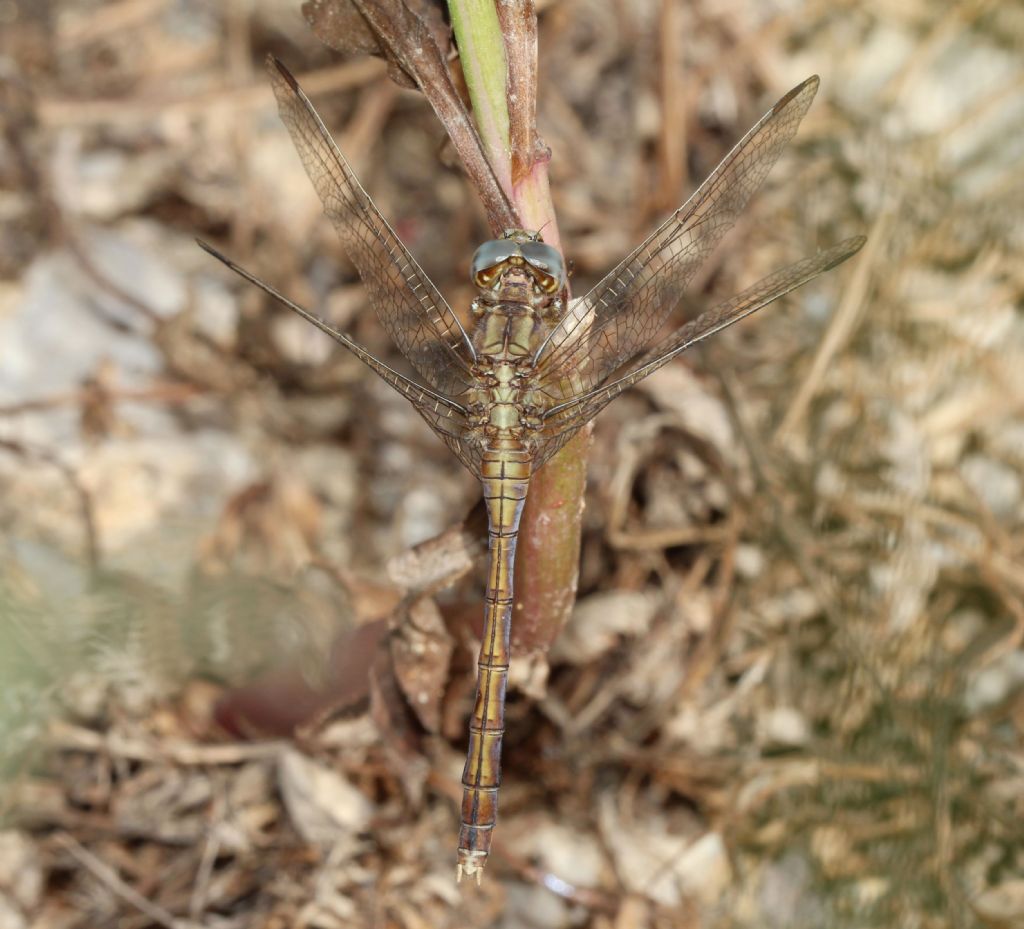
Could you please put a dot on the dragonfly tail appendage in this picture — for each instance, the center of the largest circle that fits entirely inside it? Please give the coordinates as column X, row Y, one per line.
column 505, row 480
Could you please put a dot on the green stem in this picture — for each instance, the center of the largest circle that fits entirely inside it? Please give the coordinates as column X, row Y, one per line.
column 482, row 54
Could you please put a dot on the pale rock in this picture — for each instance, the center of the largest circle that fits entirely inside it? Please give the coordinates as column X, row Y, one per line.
column 570, row 855
column 991, row 685
column 535, row 906
column 997, row 484
column 107, row 183
column 784, row 895
column 1002, row 906
column 783, row 727
column 750, row 561
column 216, row 311
column 600, row 620
column 324, row 807
column 10, row 916
column 21, row 872
column 299, row 342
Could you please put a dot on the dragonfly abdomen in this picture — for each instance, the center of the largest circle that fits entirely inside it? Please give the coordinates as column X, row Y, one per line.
column 505, row 474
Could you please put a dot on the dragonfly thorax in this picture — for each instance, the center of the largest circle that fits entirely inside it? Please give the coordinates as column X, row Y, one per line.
column 507, row 332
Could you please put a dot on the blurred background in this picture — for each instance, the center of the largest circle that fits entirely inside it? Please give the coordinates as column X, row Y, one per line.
column 792, row 691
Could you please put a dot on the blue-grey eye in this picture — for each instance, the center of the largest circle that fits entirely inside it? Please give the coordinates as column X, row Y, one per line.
column 542, row 257
column 548, row 260
column 490, row 255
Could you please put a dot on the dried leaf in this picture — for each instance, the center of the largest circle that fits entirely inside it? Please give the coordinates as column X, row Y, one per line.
column 599, row 622
column 339, row 25
column 663, row 867
column 398, row 727
column 573, row 854
column 413, row 37
column 421, row 649
column 438, row 562
column 323, row 806
column 282, row 701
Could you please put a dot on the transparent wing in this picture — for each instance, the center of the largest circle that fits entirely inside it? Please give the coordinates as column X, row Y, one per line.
column 446, row 417
column 617, row 319
column 408, row 304
column 562, row 421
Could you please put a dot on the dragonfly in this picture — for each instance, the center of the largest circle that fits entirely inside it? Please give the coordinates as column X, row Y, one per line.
column 508, row 390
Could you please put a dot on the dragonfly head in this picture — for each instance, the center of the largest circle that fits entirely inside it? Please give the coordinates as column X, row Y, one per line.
column 518, row 266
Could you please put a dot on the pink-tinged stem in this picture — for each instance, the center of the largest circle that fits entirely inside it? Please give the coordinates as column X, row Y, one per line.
column 547, row 565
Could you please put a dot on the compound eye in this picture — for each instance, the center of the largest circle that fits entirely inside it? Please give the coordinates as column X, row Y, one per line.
column 548, row 264
column 488, row 258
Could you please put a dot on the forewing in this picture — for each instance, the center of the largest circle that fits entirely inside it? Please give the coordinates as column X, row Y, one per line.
column 560, row 422
column 408, row 304
column 619, row 317
column 447, row 418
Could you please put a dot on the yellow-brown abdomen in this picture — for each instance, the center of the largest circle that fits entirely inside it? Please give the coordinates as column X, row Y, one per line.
column 505, row 473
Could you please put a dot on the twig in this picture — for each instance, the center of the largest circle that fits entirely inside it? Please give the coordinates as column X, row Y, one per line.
column 59, row 113
column 92, row 548
column 201, row 882
column 100, row 279
column 107, row 876
column 841, row 326
column 171, row 393
column 64, row 735
column 101, row 21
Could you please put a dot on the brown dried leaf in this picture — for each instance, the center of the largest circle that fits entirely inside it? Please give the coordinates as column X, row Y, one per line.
column 437, row 563
column 282, row 701
column 421, row 649
column 413, row 37
column 400, row 731
column 339, row 25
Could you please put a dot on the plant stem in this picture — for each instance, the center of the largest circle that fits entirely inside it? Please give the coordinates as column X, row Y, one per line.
column 547, row 562
column 482, row 54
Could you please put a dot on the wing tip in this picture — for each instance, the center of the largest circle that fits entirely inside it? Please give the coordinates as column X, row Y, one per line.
column 220, row 256
column 207, row 247
column 806, row 88
column 846, row 249
column 277, row 67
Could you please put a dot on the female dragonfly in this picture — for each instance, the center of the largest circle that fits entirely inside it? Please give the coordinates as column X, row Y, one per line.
column 508, row 394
